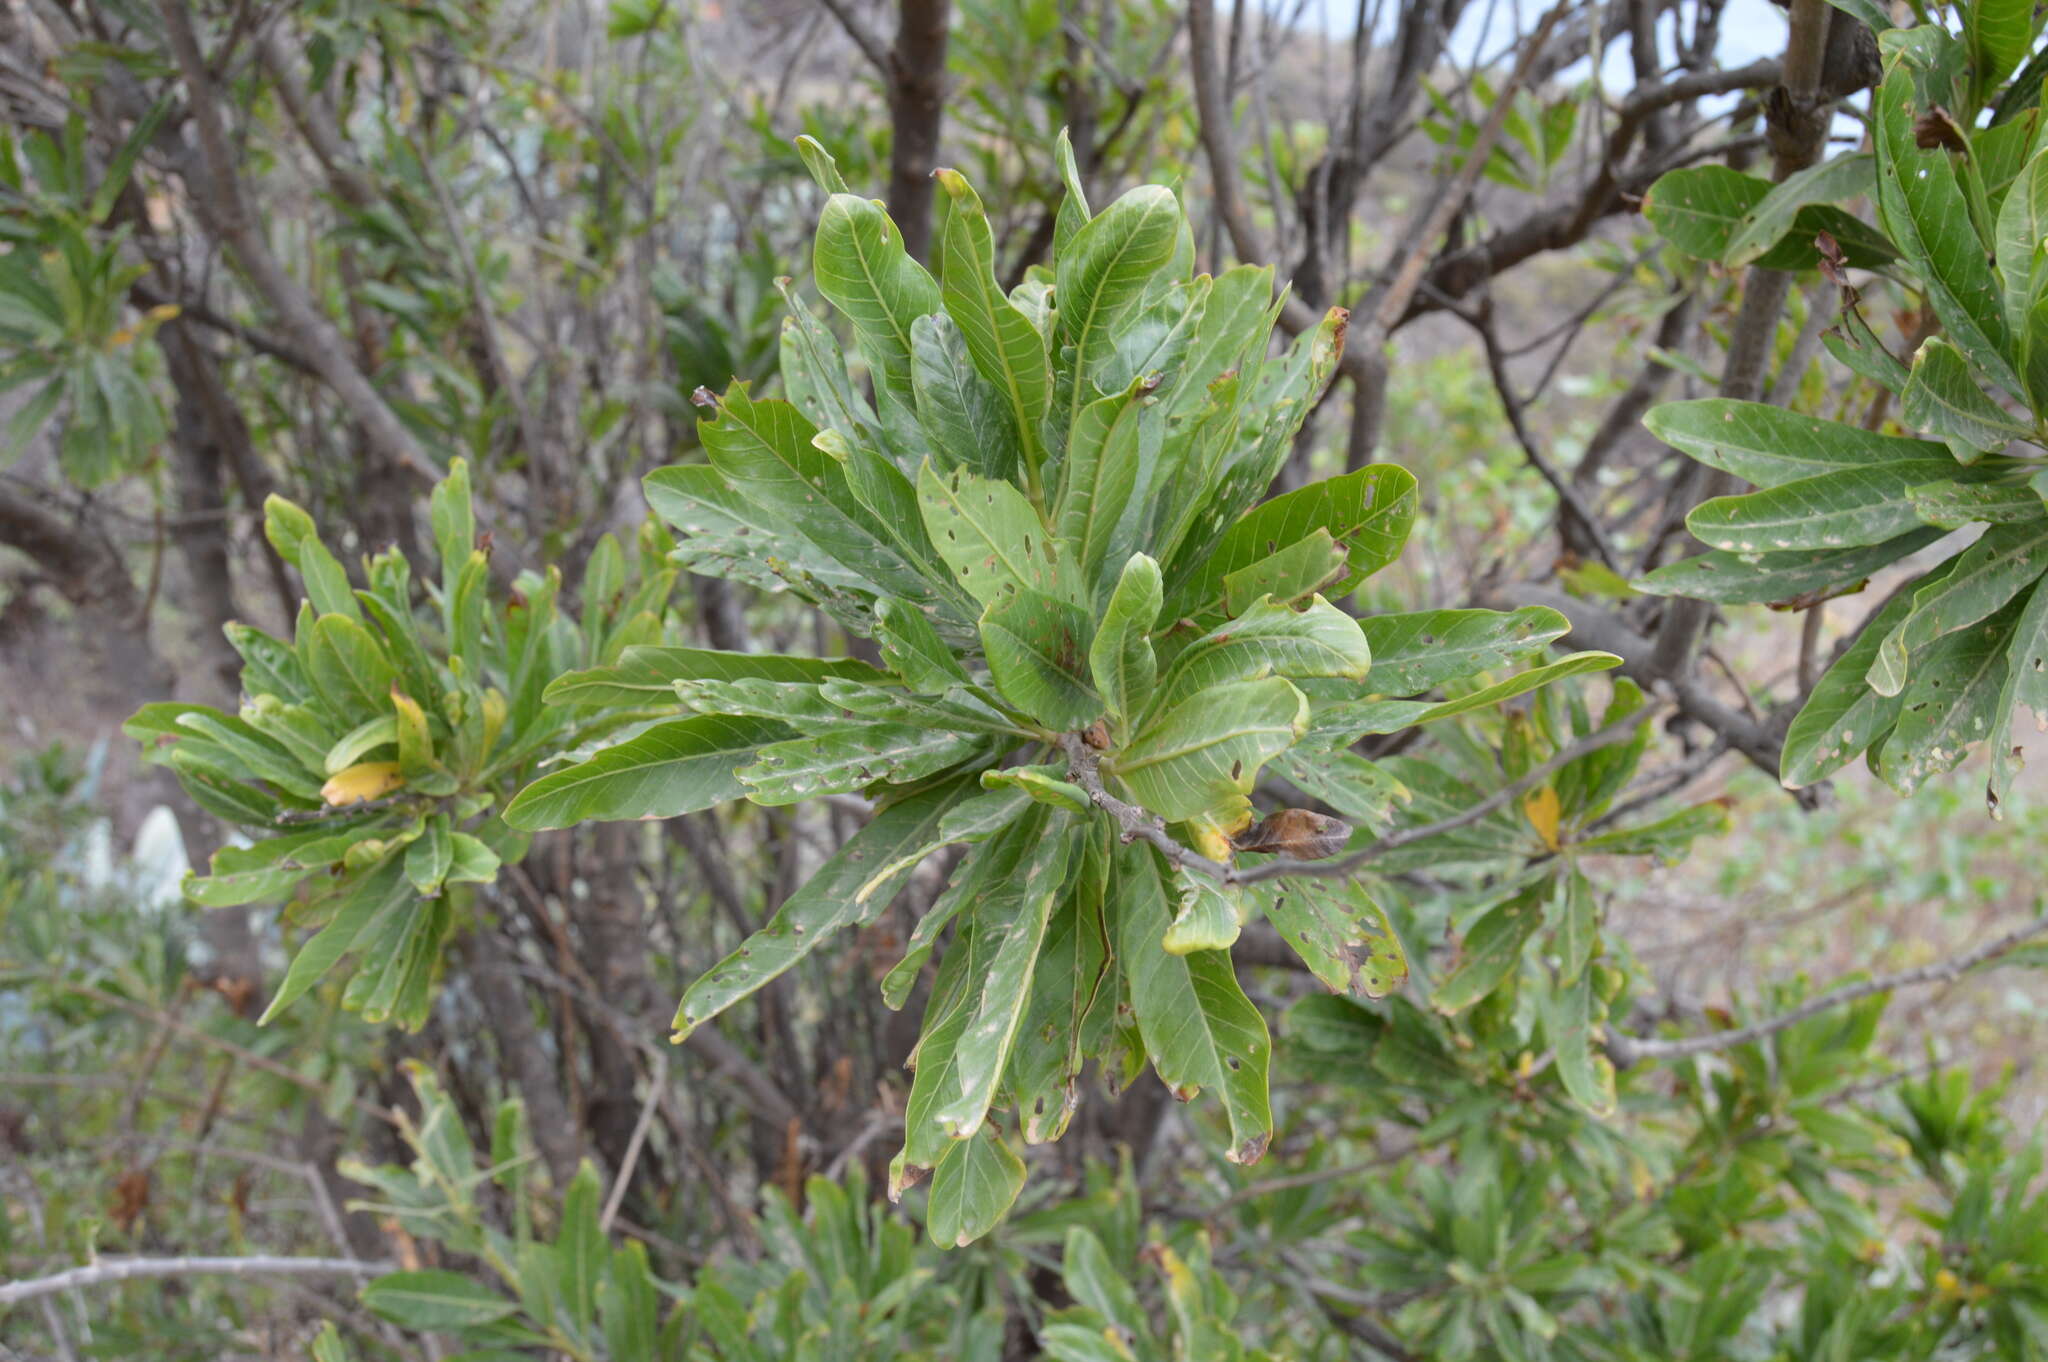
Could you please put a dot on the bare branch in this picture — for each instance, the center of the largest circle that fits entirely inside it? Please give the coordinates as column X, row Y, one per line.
column 139, row 1269
column 311, row 333
column 1608, row 735
column 1626, row 1050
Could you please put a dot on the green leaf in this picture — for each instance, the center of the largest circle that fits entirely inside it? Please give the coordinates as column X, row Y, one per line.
column 993, row 818
column 820, row 164
column 973, row 1187
column 1924, row 209
column 2005, row 560
column 1770, row 578
column 370, row 900
column 1857, row 506
column 1121, row 658
column 472, row 862
column 1359, row 789
column 853, row 758
column 1269, row 640
column 1415, row 652
column 1100, row 275
column 672, row 768
column 431, row 854
column 861, row 268
column 1006, row 348
column 1578, row 931
column 1949, row 703
column 292, row 533
column 1339, row 933
column 963, row 415
column 913, row 650
column 990, row 536
column 2026, row 688
column 1942, row 397
column 1492, row 949
column 1042, row 784
column 1207, row 916
column 1770, row 445
column 1037, row 649
column 821, row 907
column 2022, row 227
column 359, row 742
column 1844, row 177
column 1010, row 926
column 1999, row 33
column 435, row 1300
column 1844, row 716
column 1199, row 1028
column 1305, row 568
column 1202, row 756
column 1952, row 505
column 728, row 534
column 1521, row 683
column 764, row 450
column 1700, row 210
column 1104, row 459
column 1369, row 512
column 645, row 674
column 1573, row 1014
column 348, row 667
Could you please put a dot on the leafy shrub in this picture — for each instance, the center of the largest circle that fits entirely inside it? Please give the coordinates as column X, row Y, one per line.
column 376, row 748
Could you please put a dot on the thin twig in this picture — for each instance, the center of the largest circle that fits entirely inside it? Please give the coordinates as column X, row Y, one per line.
column 1609, row 735
column 638, row 1139
column 137, row 1269
column 1626, row 1050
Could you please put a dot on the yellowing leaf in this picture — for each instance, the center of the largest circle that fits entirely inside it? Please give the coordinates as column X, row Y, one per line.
column 1544, row 810
column 364, row 781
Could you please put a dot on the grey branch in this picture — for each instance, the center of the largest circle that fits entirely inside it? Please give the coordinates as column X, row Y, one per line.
column 1138, row 824
column 136, row 1269
column 1626, row 1050
column 1609, row 735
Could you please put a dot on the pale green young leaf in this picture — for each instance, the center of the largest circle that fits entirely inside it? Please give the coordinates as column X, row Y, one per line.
column 1270, row 639
column 377, row 893
column 1574, row 1015
column 1121, row 658
column 1207, row 916
column 1202, row 756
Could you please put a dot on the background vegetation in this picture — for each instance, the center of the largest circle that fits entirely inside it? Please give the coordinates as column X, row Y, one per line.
column 1673, row 447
